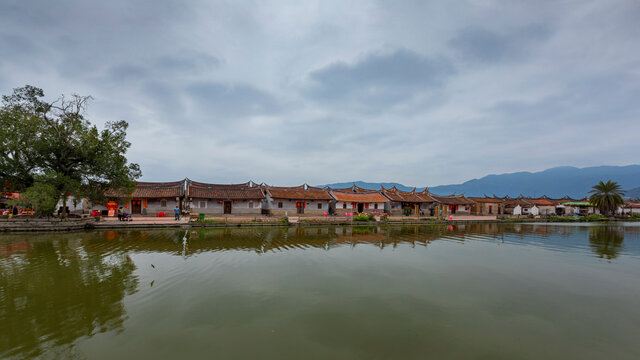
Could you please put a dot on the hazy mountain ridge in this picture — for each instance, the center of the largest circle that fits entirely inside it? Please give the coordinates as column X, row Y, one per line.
column 554, row 182
column 633, row 193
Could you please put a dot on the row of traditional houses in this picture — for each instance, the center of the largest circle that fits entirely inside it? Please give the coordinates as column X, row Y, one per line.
column 153, row 198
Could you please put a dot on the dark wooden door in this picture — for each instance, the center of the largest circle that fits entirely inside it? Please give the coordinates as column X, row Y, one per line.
column 360, row 208
column 227, row 207
column 136, row 206
column 300, row 207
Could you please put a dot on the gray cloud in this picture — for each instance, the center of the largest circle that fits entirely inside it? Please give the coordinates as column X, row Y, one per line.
column 379, row 79
column 486, row 46
column 232, row 100
column 418, row 92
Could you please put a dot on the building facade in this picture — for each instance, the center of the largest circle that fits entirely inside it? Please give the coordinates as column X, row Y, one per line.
column 303, row 200
column 225, row 199
column 151, row 198
column 408, row 202
column 486, row 205
column 452, row 205
column 358, row 200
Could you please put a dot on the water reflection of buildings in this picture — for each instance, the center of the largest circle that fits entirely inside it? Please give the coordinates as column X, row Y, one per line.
column 83, row 278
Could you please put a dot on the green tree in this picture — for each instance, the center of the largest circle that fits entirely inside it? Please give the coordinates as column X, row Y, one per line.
column 54, row 142
column 41, row 198
column 606, row 196
column 20, row 126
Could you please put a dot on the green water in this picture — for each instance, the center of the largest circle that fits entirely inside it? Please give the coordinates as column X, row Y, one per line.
column 443, row 292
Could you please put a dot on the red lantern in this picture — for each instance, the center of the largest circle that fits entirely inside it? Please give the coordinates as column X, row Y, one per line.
column 220, row 202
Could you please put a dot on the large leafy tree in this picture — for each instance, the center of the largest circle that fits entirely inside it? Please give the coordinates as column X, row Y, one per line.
column 54, row 143
column 606, row 196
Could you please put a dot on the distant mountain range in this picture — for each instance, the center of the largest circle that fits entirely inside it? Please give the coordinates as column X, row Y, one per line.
column 554, row 182
column 633, row 193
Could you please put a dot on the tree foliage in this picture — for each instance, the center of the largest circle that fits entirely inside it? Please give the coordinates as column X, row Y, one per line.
column 41, row 198
column 606, row 196
column 55, row 143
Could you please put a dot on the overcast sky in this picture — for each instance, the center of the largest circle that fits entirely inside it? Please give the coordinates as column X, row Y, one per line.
column 419, row 92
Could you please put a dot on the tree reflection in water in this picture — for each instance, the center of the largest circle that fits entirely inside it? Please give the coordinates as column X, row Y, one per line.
column 606, row 241
column 59, row 291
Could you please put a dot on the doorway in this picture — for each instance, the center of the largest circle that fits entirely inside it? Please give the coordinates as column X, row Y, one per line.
column 300, row 207
column 227, row 207
column 136, row 206
column 360, row 208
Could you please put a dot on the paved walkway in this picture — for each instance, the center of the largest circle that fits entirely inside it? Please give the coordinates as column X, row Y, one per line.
column 147, row 220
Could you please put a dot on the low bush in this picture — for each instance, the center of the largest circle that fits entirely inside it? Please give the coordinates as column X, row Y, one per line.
column 208, row 221
column 562, row 218
column 364, row 218
column 594, row 218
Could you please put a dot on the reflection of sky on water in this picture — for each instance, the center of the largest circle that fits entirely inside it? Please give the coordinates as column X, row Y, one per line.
column 336, row 292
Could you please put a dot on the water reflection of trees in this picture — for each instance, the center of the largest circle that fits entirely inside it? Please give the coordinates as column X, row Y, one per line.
column 606, row 241
column 58, row 291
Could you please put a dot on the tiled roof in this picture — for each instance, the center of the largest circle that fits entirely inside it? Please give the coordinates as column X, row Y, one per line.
column 563, row 200
column 542, row 202
column 360, row 190
column 485, row 199
column 224, row 191
column 299, row 193
column 368, row 197
column 510, row 202
column 453, row 200
column 407, row 196
column 152, row 190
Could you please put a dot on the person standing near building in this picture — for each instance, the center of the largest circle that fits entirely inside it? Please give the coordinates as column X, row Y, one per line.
column 120, row 213
column 176, row 212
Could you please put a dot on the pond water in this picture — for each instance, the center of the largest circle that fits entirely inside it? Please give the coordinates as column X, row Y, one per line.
column 486, row 291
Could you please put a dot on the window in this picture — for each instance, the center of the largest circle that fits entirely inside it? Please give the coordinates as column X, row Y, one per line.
column 319, row 205
column 250, row 204
column 344, row 205
column 375, row 206
column 280, row 205
column 202, row 204
column 163, row 203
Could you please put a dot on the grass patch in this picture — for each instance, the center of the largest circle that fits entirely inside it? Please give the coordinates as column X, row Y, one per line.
column 594, row 218
column 563, row 219
column 208, row 221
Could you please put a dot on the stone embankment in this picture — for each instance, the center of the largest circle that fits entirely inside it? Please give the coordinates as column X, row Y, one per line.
column 46, row 224
column 56, row 224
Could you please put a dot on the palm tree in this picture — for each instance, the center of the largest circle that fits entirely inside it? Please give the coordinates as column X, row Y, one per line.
column 607, row 196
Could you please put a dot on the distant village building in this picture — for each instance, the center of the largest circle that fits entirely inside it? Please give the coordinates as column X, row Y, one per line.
column 517, row 206
column 630, row 208
column 408, row 202
column 542, row 206
column 150, row 198
column 486, row 205
column 451, row 205
column 219, row 199
column 359, row 200
column 298, row 200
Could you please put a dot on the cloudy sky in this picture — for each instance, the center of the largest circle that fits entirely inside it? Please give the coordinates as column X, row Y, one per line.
column 418, row 92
